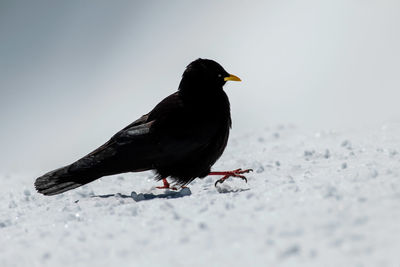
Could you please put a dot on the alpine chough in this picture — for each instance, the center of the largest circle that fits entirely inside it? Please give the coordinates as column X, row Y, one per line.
column 181, row 138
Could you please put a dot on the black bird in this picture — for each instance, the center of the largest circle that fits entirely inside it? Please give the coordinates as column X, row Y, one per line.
column 181, row 138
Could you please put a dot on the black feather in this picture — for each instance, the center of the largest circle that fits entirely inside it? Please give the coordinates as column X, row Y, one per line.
column 181, row 138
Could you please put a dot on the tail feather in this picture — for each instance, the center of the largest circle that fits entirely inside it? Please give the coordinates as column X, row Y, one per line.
column 61, row 180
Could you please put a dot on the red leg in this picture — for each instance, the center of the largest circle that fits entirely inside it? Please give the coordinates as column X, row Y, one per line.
column 167, row 185
column 236, row 173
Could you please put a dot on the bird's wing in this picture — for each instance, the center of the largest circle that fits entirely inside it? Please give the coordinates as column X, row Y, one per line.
column 124, row 152
column 137, row 122
column 134, row 148
column 165, row 135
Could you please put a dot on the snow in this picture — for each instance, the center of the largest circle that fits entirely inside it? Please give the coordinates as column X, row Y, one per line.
column 328, row 198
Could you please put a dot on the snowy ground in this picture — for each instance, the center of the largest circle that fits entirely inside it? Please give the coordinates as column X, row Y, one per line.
column 314, row 199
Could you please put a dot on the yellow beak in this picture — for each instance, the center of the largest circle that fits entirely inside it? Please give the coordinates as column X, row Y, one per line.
column 232, row 77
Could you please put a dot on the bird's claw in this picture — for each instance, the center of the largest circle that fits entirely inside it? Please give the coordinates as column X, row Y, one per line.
column 235, row 173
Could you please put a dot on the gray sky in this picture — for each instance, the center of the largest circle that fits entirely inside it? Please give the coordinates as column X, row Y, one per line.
column 72, row 73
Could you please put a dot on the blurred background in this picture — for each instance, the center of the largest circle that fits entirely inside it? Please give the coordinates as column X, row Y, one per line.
column 72, row 73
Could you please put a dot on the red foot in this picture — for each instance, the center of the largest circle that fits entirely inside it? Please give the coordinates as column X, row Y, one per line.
column 236, row 173
column 166, row 185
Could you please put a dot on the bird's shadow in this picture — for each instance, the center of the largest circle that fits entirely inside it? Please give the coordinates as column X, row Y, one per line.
column 168, row 194
column 149, row 196
column 229, row 190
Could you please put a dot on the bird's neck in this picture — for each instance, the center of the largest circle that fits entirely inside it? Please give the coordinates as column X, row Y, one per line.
column 199, row 92
column 208, row 103
column 203, row 96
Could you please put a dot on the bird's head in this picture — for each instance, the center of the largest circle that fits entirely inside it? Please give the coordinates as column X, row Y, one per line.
column 204, row 75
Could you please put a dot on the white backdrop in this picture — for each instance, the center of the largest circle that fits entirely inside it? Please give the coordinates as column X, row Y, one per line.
column 72, row 73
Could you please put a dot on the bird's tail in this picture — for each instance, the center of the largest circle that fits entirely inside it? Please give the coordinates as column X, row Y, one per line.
column 61, row 180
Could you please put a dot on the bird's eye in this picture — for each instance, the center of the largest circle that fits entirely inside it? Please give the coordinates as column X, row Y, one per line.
column 219, row 75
